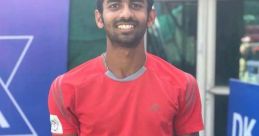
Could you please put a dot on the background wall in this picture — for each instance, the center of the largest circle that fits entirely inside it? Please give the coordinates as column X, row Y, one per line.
column 86, row 41
column 33, row 51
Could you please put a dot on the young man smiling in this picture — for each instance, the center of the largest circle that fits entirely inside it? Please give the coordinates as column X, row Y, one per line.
column 125, row 91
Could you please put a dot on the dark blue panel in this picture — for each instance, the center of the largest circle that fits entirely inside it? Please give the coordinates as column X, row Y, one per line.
column 243, row 114
column 7, row 53
column 33, row 51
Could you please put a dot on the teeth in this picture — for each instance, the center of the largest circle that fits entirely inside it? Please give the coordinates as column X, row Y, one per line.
column 125, row 26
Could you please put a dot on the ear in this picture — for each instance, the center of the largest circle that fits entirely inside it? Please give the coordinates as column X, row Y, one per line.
column 98, row 19
column 151, row 17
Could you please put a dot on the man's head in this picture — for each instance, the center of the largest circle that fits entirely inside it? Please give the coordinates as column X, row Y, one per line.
column 125, row 21
column 99, row 5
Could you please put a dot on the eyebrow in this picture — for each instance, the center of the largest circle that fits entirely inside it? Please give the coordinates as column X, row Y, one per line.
column 110, row 1
column 142, row 1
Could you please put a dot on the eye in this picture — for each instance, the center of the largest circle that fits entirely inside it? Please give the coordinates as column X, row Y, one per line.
column 113, row 6
column 136, row 6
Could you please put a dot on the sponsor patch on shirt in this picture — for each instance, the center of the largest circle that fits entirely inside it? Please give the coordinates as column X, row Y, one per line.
column 56, row 126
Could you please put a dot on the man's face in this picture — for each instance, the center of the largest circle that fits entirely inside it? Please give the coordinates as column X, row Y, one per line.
column 125, row 21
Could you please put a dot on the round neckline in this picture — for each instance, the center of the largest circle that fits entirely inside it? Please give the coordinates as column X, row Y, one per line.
column 134, row 76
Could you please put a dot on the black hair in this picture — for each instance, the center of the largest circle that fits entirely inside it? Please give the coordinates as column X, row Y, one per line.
column 99, row 5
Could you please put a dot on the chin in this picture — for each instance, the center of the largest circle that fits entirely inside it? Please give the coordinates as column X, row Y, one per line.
column 126, row 44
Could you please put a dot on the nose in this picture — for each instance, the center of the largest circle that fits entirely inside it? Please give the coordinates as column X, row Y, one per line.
column 126, row 12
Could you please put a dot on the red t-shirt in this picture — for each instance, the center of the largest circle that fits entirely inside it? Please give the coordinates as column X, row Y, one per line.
column 158, row 100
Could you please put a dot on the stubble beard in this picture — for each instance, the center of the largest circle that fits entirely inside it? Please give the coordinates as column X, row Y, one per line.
column 126, row 40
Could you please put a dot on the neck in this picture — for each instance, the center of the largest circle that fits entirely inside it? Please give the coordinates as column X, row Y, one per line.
column 122, row 61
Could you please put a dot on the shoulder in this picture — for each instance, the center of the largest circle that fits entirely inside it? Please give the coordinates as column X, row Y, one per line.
column 72, row 79
column 166, row 70
column 65, row 85
column 87, row 69
column 178, row 80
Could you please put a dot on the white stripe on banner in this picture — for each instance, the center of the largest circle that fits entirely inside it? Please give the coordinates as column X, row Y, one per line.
column 3, row 121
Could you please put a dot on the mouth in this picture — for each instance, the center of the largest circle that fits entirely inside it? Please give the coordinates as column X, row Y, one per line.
column 125, row 26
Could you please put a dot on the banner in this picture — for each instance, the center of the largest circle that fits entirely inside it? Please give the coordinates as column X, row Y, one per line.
column 33, row 51
column 243, row 112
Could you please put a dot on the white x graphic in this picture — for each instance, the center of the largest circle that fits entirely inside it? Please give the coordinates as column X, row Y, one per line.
column 6, row 85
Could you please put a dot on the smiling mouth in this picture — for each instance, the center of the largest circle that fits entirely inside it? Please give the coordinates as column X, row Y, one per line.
column 125, row 27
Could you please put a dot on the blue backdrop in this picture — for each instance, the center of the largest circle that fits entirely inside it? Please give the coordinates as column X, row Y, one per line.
column 243, row 113
column 33, row 51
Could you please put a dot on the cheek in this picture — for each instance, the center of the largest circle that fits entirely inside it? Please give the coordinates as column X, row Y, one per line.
column 107, row 19
column 143, row 17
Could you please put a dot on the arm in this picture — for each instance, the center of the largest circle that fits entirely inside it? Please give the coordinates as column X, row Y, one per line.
column 65, row 135
column 193, row 134
column 63, row 123
column 188, row 120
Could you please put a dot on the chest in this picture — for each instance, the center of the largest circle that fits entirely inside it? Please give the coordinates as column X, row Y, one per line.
column 113, row 107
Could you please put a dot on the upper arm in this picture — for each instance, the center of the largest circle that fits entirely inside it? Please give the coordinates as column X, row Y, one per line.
column 61, row 119
column 189, row 118
column 64, row 135
column 193, row 134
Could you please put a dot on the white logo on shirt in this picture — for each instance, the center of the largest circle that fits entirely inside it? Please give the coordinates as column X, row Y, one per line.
column 56, row 126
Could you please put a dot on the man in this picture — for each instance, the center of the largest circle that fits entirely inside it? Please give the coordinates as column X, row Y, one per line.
column 125, row 91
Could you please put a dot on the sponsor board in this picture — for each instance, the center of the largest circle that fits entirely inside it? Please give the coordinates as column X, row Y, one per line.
column 33, row 51
column 243, row 113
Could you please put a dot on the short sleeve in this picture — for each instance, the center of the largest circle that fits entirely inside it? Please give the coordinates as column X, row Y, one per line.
column 60, row 103
column 189, row 116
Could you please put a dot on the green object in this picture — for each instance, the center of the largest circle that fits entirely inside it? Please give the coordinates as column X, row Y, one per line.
column 86, row 41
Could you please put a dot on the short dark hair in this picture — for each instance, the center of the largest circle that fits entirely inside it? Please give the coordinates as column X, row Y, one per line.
column 99, row 5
